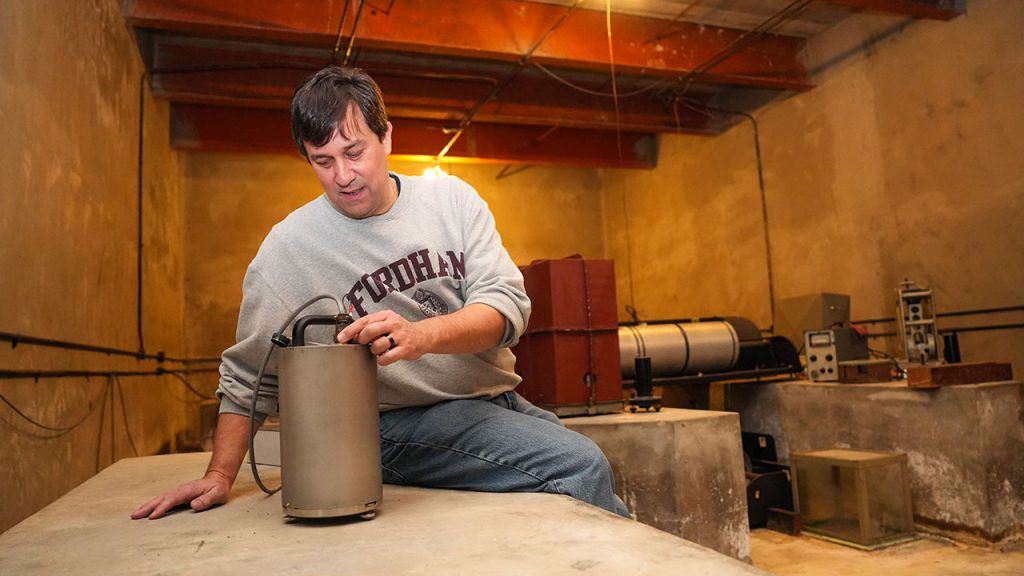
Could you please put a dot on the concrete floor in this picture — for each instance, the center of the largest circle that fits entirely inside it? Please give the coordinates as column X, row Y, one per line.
column 786, row 555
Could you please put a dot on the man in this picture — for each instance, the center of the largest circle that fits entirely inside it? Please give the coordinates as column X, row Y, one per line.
column 438, row 301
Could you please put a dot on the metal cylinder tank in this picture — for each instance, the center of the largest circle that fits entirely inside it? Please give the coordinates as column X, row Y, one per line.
column 330, row 433
column 679, row 348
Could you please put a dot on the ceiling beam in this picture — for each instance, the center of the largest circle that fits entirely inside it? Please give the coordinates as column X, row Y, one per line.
column 219, row 129
column 930, row 9
column 500, row 30
column 241, row 75
column 447, row 105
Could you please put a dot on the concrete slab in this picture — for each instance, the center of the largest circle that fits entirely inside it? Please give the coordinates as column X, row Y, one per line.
column 417, row 531
column 965, row 443
column 680, row 471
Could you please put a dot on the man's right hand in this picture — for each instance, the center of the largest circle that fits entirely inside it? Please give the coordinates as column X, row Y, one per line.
column 229, row 446
column 199, row 494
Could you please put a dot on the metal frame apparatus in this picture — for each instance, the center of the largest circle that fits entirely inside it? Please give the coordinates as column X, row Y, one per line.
column 915, row 314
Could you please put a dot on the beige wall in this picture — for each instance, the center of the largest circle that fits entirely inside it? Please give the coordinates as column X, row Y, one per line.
column 234, row 200
column 690, row 231
column 69, row 82
column 904, row 161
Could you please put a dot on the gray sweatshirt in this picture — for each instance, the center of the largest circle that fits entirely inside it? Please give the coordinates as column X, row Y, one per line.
column 435, row 251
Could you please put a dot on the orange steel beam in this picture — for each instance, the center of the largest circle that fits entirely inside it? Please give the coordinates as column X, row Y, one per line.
column 932, row 9
column 219, row 89
column 492, row 29
column 233, row 77
column 209, row 128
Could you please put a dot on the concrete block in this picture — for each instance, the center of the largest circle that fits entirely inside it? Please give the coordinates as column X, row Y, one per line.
column 757, row 404
column 680, row 471
column 964, row 443
column 416, row 531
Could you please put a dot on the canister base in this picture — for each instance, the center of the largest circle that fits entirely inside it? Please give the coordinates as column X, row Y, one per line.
column 365, row 510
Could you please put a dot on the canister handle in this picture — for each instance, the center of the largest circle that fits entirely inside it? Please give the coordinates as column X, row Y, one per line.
column 339, row 321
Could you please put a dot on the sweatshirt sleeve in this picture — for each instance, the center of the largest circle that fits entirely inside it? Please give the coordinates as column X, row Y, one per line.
column 491, row 276
column 261, row 313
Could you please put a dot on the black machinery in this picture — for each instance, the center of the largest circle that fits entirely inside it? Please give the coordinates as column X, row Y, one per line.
column 674, row 352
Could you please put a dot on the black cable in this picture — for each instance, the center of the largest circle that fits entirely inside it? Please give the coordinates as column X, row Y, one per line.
column 259, row 383
column 124, row 416
column 787, row 13
column 61, row 430
column 142, row 117
column 37, row 374
column 661, row 34
column 519, row 65
column 338, row 36
column 611, row 65
column 190, row 387
column 1014, row 326
column 631, row 307
column 99, row 435
column 974, row 312
column 900, row 372
column 113, row 428
column 637, row 92
column 352, row 36
column 705, row 110
column 20, row 339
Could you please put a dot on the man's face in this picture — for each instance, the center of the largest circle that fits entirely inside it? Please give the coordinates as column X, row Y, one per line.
column 353, row 168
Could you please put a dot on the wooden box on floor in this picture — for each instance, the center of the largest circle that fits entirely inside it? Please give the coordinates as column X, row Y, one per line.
column 856, row 497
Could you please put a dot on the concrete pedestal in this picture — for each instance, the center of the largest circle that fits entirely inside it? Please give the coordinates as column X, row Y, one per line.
column 680, row 471
column 416, row 531
column 965, row 443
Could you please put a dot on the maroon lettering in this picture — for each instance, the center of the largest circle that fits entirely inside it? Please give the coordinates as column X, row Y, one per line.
column 354, row 300
column 382, row 278
column 458, row 264
column 376, row 291
column 422, row 266
column 442, row 267
column 403, row 274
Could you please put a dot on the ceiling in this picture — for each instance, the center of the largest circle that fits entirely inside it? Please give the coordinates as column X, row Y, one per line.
column 506, row 81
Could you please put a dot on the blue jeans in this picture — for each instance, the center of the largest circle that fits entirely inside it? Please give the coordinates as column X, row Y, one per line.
column 504, row 444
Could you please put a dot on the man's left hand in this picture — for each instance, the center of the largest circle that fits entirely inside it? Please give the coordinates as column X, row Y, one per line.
column 391, row 337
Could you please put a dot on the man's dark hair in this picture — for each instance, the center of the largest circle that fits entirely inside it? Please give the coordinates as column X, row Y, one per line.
column 321, row 102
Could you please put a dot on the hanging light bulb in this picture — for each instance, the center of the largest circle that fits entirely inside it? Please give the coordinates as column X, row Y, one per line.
column 434, row 171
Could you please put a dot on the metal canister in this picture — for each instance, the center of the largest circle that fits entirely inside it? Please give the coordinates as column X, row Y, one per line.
column 330, row 435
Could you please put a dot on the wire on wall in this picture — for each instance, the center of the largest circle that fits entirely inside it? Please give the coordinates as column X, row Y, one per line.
column 99, row 433
column 611, row 65
column 142, row 117
column 60, row 430
column 664, row 31
column 339, row 35
column 520, row 64
column 22, row 339
column 707, row 111
column 551, row 74
column 190, row 388
column 41, row 374
column 124, row 418
column 790, row 11
column 352, row 36
column 113, row 383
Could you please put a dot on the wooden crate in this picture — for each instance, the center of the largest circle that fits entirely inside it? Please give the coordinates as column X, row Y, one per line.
column 934, row 376
column 571, row 294
column 865, row 371
column 554, row 367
